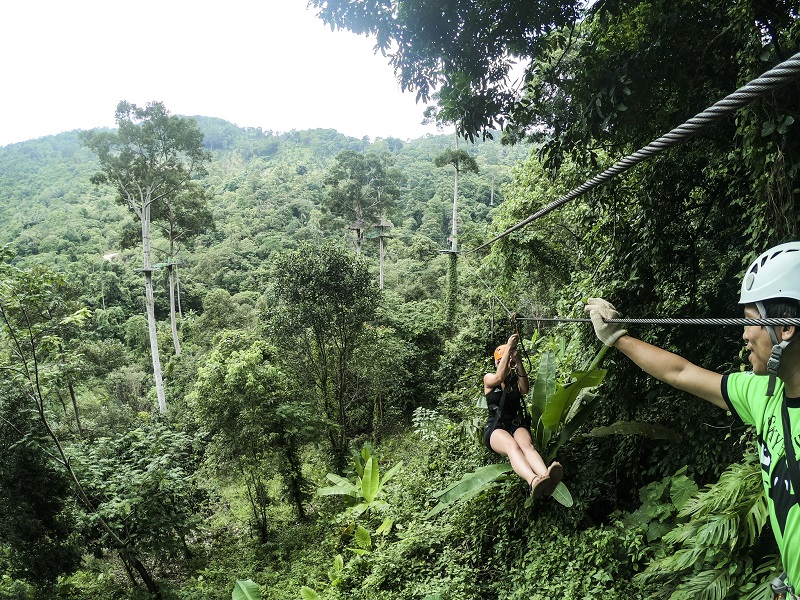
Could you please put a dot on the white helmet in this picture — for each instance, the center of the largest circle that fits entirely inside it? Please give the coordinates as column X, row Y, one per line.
column 774, row 274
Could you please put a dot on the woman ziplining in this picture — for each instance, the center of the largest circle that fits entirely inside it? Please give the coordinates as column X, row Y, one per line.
column 507, row 430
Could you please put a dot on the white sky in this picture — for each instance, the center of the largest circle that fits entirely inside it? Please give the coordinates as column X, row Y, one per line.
column 256, row 63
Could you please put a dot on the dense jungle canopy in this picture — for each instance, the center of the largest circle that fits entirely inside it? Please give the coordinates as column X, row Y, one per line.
column 320, row 435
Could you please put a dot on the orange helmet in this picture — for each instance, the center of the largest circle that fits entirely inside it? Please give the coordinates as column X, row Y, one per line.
column 500, row 351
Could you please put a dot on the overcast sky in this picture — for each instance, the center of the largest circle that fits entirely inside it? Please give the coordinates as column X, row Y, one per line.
column 256, row 63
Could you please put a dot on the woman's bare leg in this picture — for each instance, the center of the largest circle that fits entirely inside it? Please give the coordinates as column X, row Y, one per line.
column 503, row 443
column 523, row 439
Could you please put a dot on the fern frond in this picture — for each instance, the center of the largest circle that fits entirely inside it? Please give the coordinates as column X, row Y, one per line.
column 681, row 533
column 706, row 585
column 755, row 519
column 683, row 560
column 737, row 482
column 719, row 529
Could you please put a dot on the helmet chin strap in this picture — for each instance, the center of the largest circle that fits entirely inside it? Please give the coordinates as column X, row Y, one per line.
column 777, row 351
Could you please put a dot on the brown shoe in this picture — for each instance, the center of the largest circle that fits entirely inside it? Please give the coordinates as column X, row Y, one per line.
column 555, row 473
column 538, row 486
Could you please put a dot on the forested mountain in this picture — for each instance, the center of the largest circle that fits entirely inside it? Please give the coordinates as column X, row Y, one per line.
column 271, row 226
column 321, row 437
column 267, row 192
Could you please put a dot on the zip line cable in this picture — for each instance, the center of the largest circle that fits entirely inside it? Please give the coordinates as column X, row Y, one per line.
column 645, row 321
column 771, row 80
column 673, row 321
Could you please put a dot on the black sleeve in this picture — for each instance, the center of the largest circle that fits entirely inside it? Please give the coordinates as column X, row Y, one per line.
column 727, row 399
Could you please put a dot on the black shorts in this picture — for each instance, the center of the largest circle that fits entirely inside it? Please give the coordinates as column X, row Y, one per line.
column 509, row 423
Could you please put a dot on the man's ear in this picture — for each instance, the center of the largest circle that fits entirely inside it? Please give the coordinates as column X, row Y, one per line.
column 789, row 332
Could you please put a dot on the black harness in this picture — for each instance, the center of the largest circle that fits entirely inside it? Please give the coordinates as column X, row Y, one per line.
column 521, row 418
column 781, row 588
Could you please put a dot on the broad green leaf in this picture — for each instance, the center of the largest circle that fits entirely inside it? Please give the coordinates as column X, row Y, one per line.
column 359, row 508
column 335, row 572
column 545, row 384
column 469, row 486
column 562, row 496
column 371, row 480
column 359, row 551
column 391, row 472
column 363, row 539
column 588, row 405
column 681, row 489
column 306, row 593
column 338, row 490
column 246, row 589
column 562, row 400
column 385, row 527
column 338, row 479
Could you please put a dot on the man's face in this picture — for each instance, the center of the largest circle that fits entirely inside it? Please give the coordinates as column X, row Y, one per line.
column 758, row 341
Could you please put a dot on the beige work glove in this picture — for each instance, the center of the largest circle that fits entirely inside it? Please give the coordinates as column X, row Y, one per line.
column 599, row 310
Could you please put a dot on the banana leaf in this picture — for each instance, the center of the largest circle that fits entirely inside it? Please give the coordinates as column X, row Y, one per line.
column 561, row 401
column 390, row 473
column 343, row 487
column 545, row 384
column 370, row 481
column 579, row 417
column 246, row 589
column 469, row 486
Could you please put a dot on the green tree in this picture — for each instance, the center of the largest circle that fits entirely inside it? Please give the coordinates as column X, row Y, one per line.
column 325, row 297
column 361, row 188
column 38, row 529
column 257, row 414
column 150, row 159
column 34, row 312
column 461, row 162
column 180, row 219
column 143, row 485
column 465, row 51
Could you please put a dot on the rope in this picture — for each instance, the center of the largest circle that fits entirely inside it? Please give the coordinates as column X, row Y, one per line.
column 675, row 321
column 769, row 81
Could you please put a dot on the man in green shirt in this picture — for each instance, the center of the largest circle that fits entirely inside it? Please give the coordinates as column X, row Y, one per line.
column 767, row 398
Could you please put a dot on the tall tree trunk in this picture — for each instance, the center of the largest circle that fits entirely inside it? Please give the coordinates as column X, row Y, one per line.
column 295, row 475
column 173, row 321
column 178, row 290
column 151, row 310
column 452, row 292
column 149, row 582
column 454, row 231
column 71, row 389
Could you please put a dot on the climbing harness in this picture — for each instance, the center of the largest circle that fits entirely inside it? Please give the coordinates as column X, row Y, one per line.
column 776, row 77
column 497, row 410
column 781, row 590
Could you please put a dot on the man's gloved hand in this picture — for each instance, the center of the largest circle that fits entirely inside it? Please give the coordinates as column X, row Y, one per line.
column 598, row 310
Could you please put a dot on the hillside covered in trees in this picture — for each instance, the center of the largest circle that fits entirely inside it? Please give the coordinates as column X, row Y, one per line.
column 258, row 374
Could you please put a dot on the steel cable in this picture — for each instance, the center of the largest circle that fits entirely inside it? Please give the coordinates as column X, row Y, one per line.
column 769, row 81
column 672, row 321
